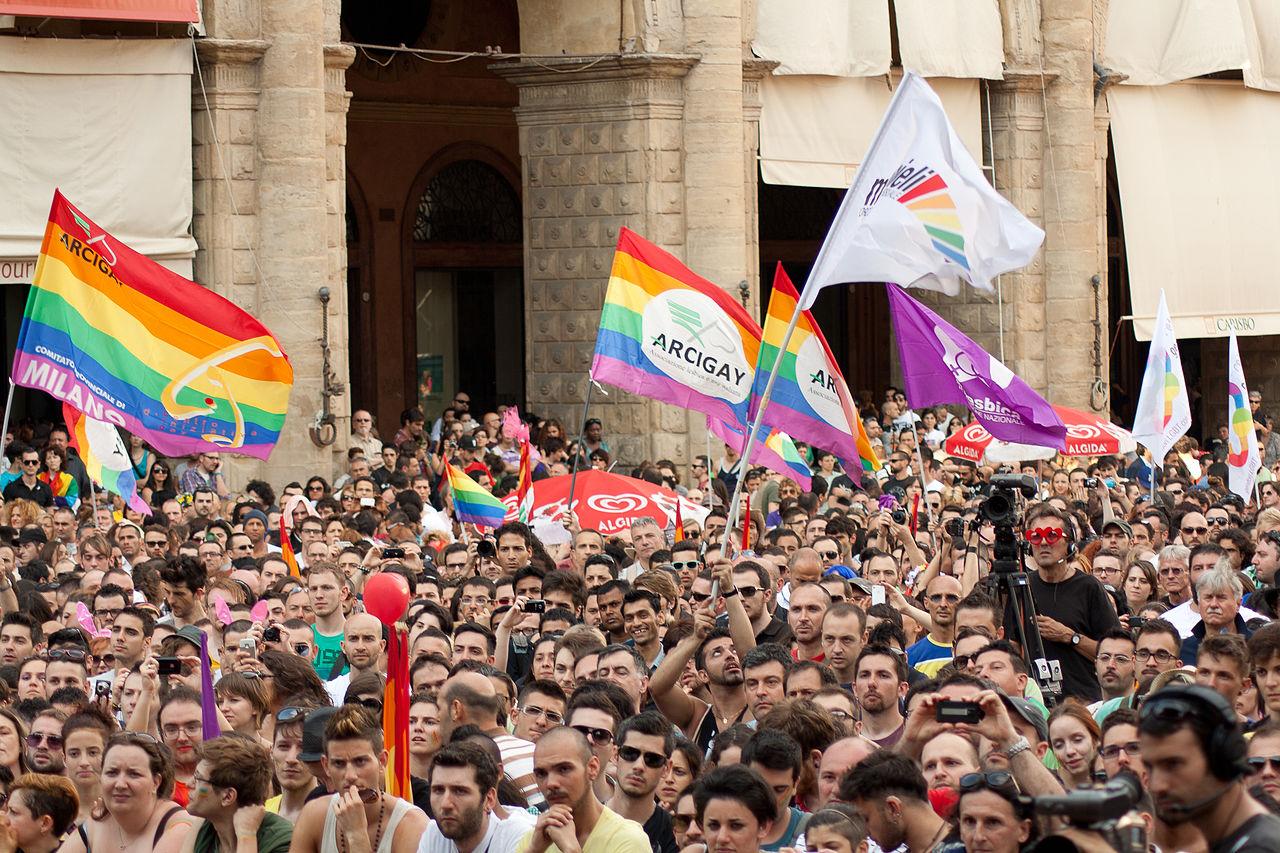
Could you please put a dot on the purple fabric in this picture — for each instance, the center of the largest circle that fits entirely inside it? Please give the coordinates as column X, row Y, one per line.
column 941, row 365
column 208, row 702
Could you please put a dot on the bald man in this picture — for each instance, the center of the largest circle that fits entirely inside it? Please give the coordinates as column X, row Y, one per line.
column 804, row 566
column 468, row 698
column 839, row 758
column 567, row 770
column 364, row 647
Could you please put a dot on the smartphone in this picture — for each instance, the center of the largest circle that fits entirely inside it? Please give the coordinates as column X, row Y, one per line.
column 103, row 689
column 535, row 605
column 877, row 595
column 368, row 502
column 393, row 553
column 168, row 666
column 250, row 645
column 952, row 711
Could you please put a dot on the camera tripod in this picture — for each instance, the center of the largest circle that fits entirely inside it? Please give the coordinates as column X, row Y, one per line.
column 1013, row 590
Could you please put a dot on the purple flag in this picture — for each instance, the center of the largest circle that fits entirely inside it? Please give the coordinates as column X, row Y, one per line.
column 941, row 365
column 208, row 702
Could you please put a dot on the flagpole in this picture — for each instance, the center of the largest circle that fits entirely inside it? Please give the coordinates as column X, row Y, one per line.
column 8, row 406
column 920, row 459
column 582, row 443
column 858, row 181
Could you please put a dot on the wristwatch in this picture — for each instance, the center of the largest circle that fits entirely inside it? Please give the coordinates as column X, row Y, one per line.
column 1019, row 745
column 731, row 593
column 1075, row 639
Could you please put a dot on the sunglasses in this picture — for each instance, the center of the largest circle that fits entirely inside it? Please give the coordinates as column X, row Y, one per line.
column 700, row 597
column 749, row 591
column 1045, row 535
column 36, row 739
column 598, row 737
column 1219, row 522
column 652, row 760
column 1259, row 763
column 368, row 703
column 30, row 461
column 829, row 555
column 688, row 564
column 997, row 779
column 77, row 655
column 682, row 822
column 1197, row 530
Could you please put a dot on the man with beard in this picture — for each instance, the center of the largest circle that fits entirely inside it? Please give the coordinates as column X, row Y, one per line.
column 1115, row 665
column 1193, row 749
column 718, row 666
column 464, row 791
column 888, row 792
column 842, row 630
column 20, row 637
column 566, row 770
column 182, row 731
column 879, row 686
column 642, row 755
column 44, row 744
column 1156, row 648
column 362, row 645
column 609, row 597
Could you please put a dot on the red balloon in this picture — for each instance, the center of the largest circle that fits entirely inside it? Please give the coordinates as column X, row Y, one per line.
column 386, row 596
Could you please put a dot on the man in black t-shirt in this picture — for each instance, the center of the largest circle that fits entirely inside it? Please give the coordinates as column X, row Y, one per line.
column 1072, row 611
column 1193, row 749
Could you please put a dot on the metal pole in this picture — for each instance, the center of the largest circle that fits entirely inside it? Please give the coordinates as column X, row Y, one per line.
column 8, row 406
column 582, row 443
column 920, row 459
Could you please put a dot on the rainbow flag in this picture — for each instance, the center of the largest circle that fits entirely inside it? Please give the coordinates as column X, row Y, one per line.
column 471, row 503
column 286, row 549
column 810, row 397
column 866, row 455
column 524, row 489
column 104, row 456
column 395, row 715
column 671, row 335
column 773, row 449
column 124, row 340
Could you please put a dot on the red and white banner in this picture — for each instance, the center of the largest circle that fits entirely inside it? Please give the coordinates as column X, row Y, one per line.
column 1087, row 435
column 605, row 502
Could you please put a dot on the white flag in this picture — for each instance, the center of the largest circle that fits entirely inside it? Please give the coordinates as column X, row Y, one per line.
column 1164, row 409
column 920, row 212
column 1243, row 460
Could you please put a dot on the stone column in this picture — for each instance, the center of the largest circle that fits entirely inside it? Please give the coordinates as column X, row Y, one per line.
column 273, row 235
column 1071, row 209
column 600, row 148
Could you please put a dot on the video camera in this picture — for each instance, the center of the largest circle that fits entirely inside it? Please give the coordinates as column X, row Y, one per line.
column 1106, row 809
column 1001, row 506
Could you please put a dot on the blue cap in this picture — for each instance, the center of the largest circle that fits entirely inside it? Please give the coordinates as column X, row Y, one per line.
column 840, row 572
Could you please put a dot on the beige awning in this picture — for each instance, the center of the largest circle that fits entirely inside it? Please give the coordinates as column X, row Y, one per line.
column 815, row 130
column 1198, row 181
column 109, row 123
column 839, row 38
column 1261, row 20
column 951, row 38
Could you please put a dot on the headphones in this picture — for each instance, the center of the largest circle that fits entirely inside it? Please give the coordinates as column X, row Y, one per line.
column 1225, row 747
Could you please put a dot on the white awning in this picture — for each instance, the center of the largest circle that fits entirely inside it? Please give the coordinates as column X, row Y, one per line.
column 814, row 131
column 839, row 38
column 951, row 38
column 109, row 123
column 1157, row 42
column 1198, row 181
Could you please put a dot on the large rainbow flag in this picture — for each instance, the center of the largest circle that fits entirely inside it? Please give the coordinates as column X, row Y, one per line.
column 124, row 340
column 105, row 458
column 395, row 714
column 810, row 398
column 671, row 335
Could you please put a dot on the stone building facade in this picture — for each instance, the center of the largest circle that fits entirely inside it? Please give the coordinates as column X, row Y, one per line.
column 642, row 113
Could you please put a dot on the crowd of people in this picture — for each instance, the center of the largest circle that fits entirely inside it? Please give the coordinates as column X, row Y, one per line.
column 859, row 677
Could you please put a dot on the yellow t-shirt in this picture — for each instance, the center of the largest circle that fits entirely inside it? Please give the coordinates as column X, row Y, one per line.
column 612, row 834
column 273, row 805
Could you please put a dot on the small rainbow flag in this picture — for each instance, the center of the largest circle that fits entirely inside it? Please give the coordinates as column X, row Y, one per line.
column 104, row 456
column 668, row 334
column 471, row 503
column 395, row 715
column 286, row 548
column 866, row 455
column 124, row 340
column 810, row 397
column 524, row 489
column 773, row 449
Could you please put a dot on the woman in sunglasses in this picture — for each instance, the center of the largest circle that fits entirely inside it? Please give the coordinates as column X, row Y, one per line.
column 991, row 818
column 159, row 486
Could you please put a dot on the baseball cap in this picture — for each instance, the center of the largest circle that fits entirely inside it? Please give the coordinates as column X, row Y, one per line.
column 467, row 442
column 1123, row 525
column 840, row 572
column 191, row 634
column 1028, row 712
column 863, row 584
column 313, row 734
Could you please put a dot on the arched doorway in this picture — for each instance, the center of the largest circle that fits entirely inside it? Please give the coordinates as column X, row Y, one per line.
column 468, row 288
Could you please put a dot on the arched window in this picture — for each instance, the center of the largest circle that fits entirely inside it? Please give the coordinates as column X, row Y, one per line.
column 468, row 202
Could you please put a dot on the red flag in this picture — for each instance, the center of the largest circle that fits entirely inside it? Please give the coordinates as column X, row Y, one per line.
column 679, row 523
column 524, row 500
column 746, row 524
column 286, row 549
column 395, row 715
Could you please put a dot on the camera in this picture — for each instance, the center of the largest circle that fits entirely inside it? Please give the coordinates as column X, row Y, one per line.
column 272, row 634
column 899, row 516
column 952, row 711
column 1091, row 482
column 168, row 666
column 102, row 689
column 535, row 605
column 393, row 553
column 1001, row 506
column 1107, row 809
column 954, row 527
column 486, row 549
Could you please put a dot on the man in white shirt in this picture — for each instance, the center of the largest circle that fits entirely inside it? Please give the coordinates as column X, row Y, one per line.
column 464, row 791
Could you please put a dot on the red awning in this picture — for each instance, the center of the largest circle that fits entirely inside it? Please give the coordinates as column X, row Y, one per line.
column 175, row 11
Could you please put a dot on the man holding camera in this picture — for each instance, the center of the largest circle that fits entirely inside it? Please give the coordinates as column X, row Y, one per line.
column 1071, row 606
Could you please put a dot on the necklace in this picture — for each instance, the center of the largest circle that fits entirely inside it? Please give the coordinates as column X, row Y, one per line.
column 377, row 839
column 124, row 845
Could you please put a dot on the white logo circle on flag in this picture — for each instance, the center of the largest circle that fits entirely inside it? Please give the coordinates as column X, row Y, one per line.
column 691, row 339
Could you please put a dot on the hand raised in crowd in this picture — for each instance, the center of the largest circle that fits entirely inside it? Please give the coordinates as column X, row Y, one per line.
column 350, row 817
column 995, row 725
